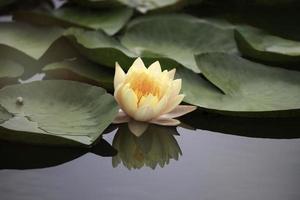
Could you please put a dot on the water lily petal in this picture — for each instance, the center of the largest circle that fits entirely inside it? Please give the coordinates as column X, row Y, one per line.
column 163, row 103
column 176, row 87
column 179, row 111
column 127, row 99
column 173, row 103
column 137, row 65
column 144, row 113
column 148, row 100
column 121, row 118
column 137, row 128
column 155, row 68
column 119, row 75
column 165, row 121
column 172, row 73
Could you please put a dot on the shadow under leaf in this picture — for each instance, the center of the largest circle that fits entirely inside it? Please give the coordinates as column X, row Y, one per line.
column 276, row 128
column 25, row 156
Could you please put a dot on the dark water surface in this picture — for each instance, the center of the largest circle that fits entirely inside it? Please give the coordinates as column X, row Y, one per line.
column 213, row 166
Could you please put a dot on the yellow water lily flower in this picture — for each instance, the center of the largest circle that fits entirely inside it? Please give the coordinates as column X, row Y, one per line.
column 148, row 95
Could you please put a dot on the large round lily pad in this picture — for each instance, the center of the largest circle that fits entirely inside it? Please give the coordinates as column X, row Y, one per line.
column 140, row 5
column 31, row 40
column 264, row 46
column 99, row 47
column 80, row 70
column 242, row 87
column 55, row 112
column 10, row 69
column 110, row 21
column 178, row 37
column 102, row 49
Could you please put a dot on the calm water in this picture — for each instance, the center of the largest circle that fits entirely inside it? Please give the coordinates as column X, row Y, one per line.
column 212, row 166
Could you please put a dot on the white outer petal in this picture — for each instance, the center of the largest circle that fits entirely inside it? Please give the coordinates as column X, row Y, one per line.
column 144, row 113
column 165, row 121
column 148, row 100
column 127, row 100
column 155, row 68
column 172, row 73
column 179, row 111
column 138, row 64
column 173, row 103
column 176, row 87
column 119, row 75
column 162, row 103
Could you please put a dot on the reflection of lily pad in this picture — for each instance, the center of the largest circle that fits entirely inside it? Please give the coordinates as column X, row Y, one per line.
column 244, row 87
column 157, row 146
column 33, row 41
column 178, row 37
column 55, row 110
column 110, row 21
column 80, row 70
column 260, row 45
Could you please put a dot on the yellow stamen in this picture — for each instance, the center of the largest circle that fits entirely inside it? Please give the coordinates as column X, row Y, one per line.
column 143, row 85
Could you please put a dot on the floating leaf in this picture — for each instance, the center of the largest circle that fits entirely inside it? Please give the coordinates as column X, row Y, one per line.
column 99, row 47
column 10, row 69
column 4, row 115
column 177, row 37
column 145, row 6
column 261, row 45
column 244, row 87
column 56, row 112
column 33, row 41
column 80, row 70
column 110, row 21
column 140, row 5
column 102, row 49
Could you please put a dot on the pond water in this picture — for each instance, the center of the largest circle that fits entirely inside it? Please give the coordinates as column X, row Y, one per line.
column 212, row 166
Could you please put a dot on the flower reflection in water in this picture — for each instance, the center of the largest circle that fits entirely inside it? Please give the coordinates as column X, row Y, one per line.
column 157, row 146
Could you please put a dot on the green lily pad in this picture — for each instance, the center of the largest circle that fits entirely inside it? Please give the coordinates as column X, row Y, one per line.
column 145, row 6
column 242, row 87
column 80, row 70
column 55, row 112
column 31, row 40
column 178, row 37
column 10, row 69
column 99, row 47
column 102, row 49
column 261, row 45
column 110, row 21
column 140, row 5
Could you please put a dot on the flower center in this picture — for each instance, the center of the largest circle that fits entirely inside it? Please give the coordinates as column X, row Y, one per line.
column 143, row 85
